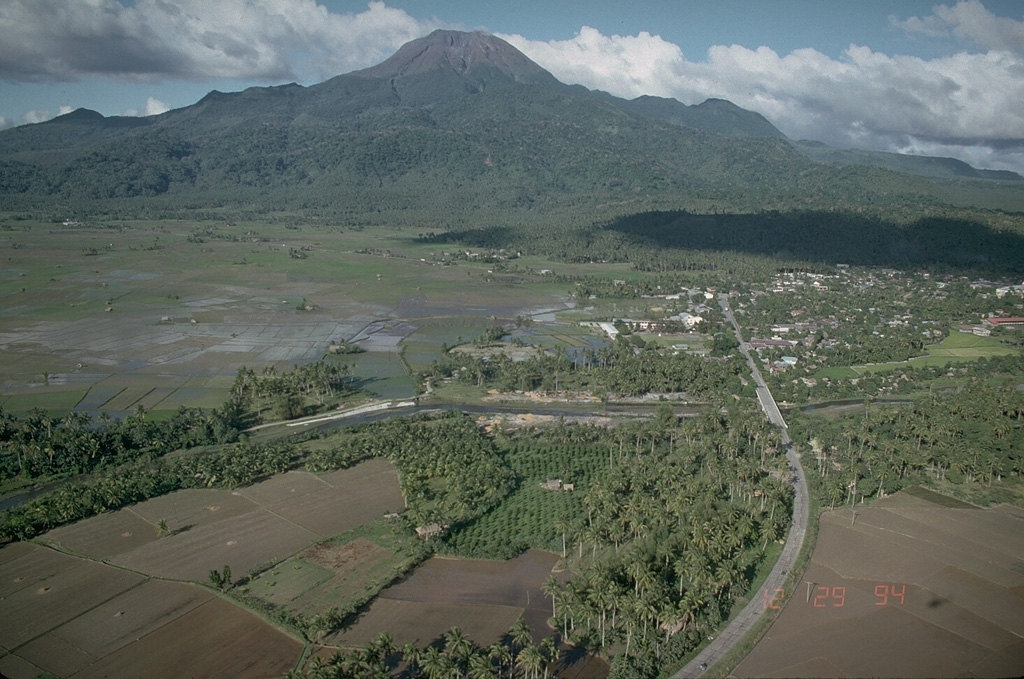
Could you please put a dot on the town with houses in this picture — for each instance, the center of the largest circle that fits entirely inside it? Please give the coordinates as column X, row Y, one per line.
column 808, row 328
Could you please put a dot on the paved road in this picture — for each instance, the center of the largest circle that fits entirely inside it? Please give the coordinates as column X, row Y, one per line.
column 743, row 622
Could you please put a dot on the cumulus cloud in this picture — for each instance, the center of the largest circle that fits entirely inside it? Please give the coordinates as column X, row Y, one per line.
column 36, row 115
column 272, row 40
column 969, row 21
column 966, row 105
column 153, row 107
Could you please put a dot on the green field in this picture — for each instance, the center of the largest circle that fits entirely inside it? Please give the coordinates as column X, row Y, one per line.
column 958, row 347
column 343, row 572
column 95, row 316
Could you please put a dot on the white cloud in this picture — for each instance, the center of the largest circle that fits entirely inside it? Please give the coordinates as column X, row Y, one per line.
column 969, row 20
column 155, row 107
column 959, row 105
column 631, row 65
column 36, row 115
column 272, row 40
column 6, row 122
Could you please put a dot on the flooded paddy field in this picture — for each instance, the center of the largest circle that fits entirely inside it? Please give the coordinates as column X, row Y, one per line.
column 115, row 315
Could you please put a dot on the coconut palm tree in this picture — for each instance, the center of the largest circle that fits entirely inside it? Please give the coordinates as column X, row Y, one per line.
column 530, row 661
column 457, row 645
column 551, row 587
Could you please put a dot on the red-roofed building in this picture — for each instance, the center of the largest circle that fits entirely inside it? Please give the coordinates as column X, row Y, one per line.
column 1003, row 322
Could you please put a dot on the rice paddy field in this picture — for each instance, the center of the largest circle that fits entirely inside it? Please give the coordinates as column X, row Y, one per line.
column 916, row 585
column 113, row 315
column 115, row 596
column 957, row 347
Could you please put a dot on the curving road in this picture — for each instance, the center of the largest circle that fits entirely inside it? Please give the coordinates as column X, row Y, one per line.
column 743, row 622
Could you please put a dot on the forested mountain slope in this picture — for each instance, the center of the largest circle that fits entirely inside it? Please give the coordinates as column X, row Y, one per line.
column 453, row 121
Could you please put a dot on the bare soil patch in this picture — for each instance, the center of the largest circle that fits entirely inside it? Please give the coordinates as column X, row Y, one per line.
column 132, row 615
column 42, row 588
column 357, row 495
column 216, row 639
column 341, row 558
column 905, row 588
column 422, row 623
column 241, row 542
column 105, row 535
column 515, row 582
column 482, row 597
column 194, row 508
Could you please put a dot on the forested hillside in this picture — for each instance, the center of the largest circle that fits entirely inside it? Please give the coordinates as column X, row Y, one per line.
column 433, row 129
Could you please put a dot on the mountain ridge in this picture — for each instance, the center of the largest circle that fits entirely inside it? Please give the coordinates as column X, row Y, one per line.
column 450, row 119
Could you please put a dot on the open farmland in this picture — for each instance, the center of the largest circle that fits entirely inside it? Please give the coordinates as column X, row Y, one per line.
column 339, row 573
column 905, row 588
column 73, row 616
column 482, row 597
column 118, row 314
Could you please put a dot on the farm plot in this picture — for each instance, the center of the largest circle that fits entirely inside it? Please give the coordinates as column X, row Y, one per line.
column 111, row 626
column 193, row 508
column 241, row 542
column 323, row 576
column 215, row 639
column 381, row 374
column 904, row 588
column 482, row 597
column 335, row 502
column 105, row 535
column 42, row 588
column 421, row 623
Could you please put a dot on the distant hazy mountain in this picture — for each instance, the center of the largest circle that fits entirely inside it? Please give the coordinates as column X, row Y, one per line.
column 926, row 166
column 451, row 121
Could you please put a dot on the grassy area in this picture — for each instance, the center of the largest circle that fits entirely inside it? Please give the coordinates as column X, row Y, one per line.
column 353, row 568
column 958, row 347
column 240, row 282
column 1008, row 491
column 51, row 401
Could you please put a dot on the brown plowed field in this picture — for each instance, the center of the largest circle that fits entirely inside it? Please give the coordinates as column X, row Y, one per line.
column 241, row 542
column 106, row 535
column 41, row 589
column 215, row 640
column 904, row 588
column 482, row 597
column 334, row 503
column 71, row 616
column 422, row 623
column 192, row 508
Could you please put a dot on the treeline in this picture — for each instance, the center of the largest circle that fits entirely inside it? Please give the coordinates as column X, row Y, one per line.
column 453, row 655
column 629, row 368
column 288, row 395
column 39, row 445
column 448, row 469
column 140, row 480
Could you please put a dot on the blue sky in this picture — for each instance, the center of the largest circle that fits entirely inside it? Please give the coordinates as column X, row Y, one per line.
column 910, row 76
